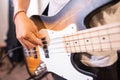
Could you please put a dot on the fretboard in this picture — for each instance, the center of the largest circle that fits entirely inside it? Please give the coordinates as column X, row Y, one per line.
column 101, row 38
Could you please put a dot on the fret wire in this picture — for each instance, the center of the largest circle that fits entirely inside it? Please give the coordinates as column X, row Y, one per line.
column 73, row 43
column 79, row 43
column 70, row 43
column 85, row 38
column 84, row 42
column 69, row 48
column 109, row 38
column 99, row 40
column 74, row 49
column 91, row 41
column 80, row 39
column 76, row 40
column 66, row 43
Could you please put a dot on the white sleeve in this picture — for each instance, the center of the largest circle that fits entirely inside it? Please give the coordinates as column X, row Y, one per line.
column 55, row 6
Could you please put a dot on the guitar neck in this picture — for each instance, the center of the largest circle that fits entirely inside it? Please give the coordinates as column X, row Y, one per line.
column 102, row 38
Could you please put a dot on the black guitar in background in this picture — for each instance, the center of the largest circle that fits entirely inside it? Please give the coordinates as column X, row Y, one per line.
column 72, row 19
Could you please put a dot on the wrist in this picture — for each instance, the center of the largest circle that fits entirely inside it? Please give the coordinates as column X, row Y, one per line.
column 16, row 13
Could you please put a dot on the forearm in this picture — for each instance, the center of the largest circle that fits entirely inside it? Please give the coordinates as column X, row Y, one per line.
column 21, row 4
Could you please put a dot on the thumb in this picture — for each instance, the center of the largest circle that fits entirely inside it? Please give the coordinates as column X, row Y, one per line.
column 38, row 35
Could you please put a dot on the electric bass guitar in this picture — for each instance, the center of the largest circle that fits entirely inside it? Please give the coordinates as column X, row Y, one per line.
column 67, row 33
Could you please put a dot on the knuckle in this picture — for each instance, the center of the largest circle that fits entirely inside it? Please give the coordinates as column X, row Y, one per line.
column 32, row 46
column 24, row 35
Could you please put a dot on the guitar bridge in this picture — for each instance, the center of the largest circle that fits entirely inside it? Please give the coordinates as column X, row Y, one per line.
column 40, row 69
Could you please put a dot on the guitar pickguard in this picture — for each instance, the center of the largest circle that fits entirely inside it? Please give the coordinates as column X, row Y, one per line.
column 59, row 60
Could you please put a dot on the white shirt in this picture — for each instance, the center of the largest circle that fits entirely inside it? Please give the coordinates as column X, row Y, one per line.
column 37, row 7
column 55, row 6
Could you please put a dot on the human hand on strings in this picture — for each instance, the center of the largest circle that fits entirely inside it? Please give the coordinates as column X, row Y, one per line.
column 27, row 32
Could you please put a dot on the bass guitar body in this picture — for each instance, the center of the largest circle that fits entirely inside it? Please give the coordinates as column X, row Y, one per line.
column 74, row 17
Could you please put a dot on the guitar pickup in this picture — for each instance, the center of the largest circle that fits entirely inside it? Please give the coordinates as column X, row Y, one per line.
column 35, row 53
column 31, row 52
column 27, row 52
column 45, row 48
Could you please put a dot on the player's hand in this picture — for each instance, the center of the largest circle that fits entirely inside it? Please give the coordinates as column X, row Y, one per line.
column 27, row 32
